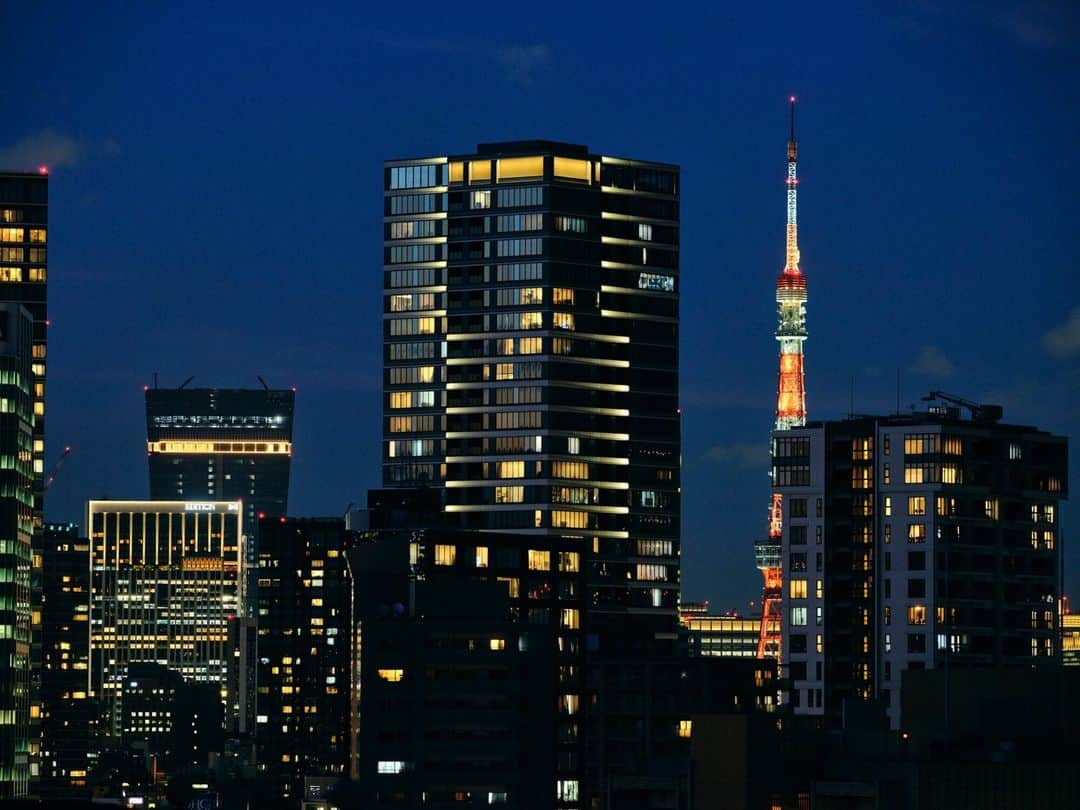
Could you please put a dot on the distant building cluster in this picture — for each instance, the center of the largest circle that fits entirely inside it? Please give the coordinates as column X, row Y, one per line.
column 501, row 625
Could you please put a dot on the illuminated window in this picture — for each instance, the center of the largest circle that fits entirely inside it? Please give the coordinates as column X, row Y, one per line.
column 480, row 200
column 457, row 171
column 798, row 617
column 564, row 519
column 518, row 168
column 539, row 560
column 569, row 561
column 887, row 506
column 390, row 766
column 391, row 675
column 644, row 232
column 561, row 295
column 990, row 508
column 37, row 274
column 571, row 169
column 916, row 614
column 12, row 234
column 509, row 494
column 481, row 557
column 862, row 477
column 797, row 589
column 532, row 345
column 480, row 172
column 569, row 469
column 657, row 282
column 567, row 790
column 13, row 274
column 497, row 644
column 513, row 586
column 916, row 505
column 685, row 728
column 445, row 554
column 510, row 469
column 563, row 320
column 570, row 619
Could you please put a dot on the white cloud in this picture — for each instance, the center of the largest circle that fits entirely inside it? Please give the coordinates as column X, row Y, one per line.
column 1064, row 340
column 46, row 148
column 931, row 362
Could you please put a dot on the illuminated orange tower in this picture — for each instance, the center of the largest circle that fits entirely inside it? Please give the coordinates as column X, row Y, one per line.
column 790, row 400
column 791, row 299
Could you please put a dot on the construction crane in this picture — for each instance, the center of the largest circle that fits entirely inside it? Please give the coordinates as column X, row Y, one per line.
column 979, row 412
column 56, row 467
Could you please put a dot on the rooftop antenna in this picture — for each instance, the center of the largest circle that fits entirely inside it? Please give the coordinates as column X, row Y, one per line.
column 155, row 379
column 185, row 382
column 261, row 380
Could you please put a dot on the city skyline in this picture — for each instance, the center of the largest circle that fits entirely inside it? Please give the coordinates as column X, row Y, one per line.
column 893, row 272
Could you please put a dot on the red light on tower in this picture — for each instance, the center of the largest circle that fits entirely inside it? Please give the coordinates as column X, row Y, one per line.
column 43, row 169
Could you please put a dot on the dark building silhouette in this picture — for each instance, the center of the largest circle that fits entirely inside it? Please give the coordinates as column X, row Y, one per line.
column 459, row 693
column 174, row 723
column 912, row 542
column 222, row 444
column 68, row 712
column 305, row 665
column 24, row 238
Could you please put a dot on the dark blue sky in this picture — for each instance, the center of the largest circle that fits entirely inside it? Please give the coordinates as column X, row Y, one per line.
column 216, row 210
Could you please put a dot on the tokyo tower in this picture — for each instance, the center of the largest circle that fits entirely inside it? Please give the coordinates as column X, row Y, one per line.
column 790, row 401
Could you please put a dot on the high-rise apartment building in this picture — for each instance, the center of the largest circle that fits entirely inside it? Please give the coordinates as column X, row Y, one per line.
column 166, row 579
column 222, row 444
column 915, row 541
column 67, row 711
column 531, row 373
column 531, row 350
column 24, row 237
column 304, row 702
column 16, row 531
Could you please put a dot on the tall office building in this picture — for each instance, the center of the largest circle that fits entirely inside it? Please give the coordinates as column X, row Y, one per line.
column 531, row 350
column 915, row 541
column 304, row 700
column 16, row 530
column 166, row 579
column 222, row 444
column 24, row 220
column 67, row 711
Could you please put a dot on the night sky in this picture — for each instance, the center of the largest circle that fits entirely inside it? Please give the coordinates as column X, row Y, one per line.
column 216, row 210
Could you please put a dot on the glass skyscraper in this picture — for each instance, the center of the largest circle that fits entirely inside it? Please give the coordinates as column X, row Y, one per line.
column 24, row 238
